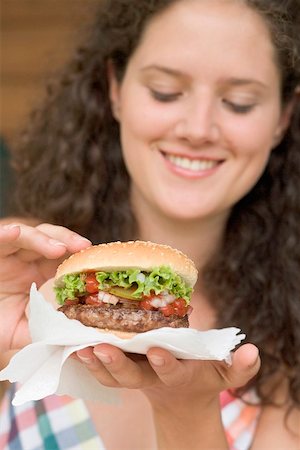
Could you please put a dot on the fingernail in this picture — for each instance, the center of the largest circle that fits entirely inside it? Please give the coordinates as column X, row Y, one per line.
column 156, row 360
column 106, row 359
column 56, row 243
column 10, row 226
column 79, row 238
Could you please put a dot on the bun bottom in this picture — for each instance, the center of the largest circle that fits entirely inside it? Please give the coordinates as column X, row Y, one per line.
column 118, row 333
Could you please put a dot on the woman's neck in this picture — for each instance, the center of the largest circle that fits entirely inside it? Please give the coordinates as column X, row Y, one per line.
column 198, row 239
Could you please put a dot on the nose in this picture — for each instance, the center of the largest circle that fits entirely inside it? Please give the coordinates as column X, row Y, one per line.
column 198, row 121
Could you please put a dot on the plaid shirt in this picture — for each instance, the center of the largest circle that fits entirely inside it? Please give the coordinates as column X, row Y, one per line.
column 61, row 423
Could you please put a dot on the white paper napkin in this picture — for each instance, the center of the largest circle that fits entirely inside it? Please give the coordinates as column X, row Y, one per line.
column 43, row 367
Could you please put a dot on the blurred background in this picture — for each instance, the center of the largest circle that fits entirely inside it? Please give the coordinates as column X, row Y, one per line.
column 36, row 38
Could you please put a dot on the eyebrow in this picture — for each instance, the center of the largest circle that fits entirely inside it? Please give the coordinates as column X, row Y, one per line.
column 230, row 81
column 166, row 70
column 245, row 81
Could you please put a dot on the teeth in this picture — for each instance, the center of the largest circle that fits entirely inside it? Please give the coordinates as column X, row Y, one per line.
column 194, row 165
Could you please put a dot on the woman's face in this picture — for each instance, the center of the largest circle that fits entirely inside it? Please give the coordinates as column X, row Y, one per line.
column 199, row 108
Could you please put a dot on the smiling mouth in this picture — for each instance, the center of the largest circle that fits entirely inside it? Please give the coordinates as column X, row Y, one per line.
column 193, row 165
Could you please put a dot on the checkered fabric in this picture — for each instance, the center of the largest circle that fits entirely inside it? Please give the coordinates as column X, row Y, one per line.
column 61, row 423
column 239, row 419
column 53, row 423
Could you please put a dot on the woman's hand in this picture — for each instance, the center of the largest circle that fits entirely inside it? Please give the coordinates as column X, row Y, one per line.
column 28, row 254
column 184, row 394
column 160, row 374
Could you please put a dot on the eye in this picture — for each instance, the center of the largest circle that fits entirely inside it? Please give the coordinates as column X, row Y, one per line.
column 238, row 108
column 164, row 97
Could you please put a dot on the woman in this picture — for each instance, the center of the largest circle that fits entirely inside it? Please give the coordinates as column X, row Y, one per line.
column 177, row 122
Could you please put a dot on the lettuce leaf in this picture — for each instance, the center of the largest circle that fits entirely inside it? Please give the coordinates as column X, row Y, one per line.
column 158, row 280
column 74, row 286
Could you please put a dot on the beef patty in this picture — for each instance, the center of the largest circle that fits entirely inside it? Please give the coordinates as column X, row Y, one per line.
column 121, row 318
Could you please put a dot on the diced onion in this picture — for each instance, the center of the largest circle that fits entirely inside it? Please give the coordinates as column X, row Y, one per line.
column 160, row 301
column 141, row 277
column 105, row 297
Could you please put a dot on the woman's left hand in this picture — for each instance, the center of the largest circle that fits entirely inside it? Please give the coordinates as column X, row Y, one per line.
column 184, row 394
column 160, row 375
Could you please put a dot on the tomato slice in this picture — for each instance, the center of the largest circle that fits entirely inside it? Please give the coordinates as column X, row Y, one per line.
column 93, row 300
column 168, row 310
column 71, row 301
column 91, row 284
column 178, row 307
column 145, row 304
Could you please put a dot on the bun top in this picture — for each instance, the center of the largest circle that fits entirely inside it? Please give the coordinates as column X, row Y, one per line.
column 128, row 255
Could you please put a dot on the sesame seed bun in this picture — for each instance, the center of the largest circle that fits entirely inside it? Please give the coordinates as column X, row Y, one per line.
column 128, row 255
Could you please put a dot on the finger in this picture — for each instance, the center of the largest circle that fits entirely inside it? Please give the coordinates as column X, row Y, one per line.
column 245, row 365
column 30, row 241
column 58, row 251
column 8, row 234
column 74, row 241
column 92, row 363
column 46, row 240
column 124, row 370
column 171, row 371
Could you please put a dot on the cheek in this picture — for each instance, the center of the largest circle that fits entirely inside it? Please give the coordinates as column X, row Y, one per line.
column 252, row 146
column 255, row 139
column 137, row 134
column 254, row 156
column 142, row 118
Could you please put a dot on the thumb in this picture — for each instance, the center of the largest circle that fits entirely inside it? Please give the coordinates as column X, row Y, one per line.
column 245, row 365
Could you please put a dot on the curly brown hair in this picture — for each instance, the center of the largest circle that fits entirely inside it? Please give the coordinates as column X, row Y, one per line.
column 70, row 171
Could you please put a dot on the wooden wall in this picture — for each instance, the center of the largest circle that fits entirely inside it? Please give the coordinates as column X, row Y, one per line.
column 36, row 38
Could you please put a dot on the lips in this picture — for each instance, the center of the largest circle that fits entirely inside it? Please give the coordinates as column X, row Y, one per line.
column 191, row 164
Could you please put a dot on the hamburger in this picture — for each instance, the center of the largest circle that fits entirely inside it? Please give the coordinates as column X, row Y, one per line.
column 126, row 287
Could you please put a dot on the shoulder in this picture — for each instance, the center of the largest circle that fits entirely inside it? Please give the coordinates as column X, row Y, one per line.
column 277, row 430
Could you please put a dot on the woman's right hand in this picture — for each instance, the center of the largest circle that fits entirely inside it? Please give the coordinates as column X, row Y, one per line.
column 28, row 254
